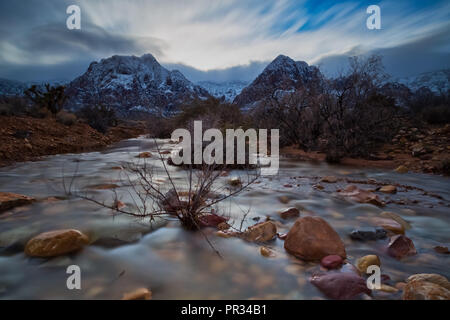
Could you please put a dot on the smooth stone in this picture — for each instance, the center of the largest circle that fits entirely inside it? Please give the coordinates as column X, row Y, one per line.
column 56, row 243
column 388, row 189
column 401, row 246
column 401, row 169
column 312, row 238
column 260, row 232
column 391, row 215
column 388, row 224
column 340, row 286
column 211, row 220
column 266, row 252
column 353, row 193
column 441, row 249
column 368, row 233
column 386, row 288
column 138, row 294
column 290, row 213
column 329, row 179
column 364, row 262
column 426, row 287
column 10, row 200
column 332, row 261
column 144, row 155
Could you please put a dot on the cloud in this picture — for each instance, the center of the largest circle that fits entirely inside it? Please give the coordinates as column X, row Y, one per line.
column 222, row 39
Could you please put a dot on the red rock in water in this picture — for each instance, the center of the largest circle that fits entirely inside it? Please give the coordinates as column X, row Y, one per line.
column 211, row 220
column 290, row 213
column 282, row 236
column 332, row 261
column 340, row 286
column 401, row 246
column 312, row 238
column 362, row 196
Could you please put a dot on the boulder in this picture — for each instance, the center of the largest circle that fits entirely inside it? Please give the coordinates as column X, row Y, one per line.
column 364, row 262
column 56, row 243
column 340, row 286
column 260, row 232
column 10, row 200
column 426, row 287
column 401, row 246
column 312, row 238
column 353, row 193
column 290, row 213
column 368, row 233
column 388, row 224
column 332, row 261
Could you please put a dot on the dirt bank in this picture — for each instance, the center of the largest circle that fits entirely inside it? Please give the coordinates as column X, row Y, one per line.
column 28, row 139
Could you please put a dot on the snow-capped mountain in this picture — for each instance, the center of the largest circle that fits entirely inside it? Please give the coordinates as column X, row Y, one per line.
column 130, row 83
column 437, row 81
column 226, row 91
column 282, row 74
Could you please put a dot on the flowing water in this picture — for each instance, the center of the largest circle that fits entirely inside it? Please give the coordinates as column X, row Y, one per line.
column 127, row 253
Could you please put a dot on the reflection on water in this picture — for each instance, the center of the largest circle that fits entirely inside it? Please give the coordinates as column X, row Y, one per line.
column 128, row 253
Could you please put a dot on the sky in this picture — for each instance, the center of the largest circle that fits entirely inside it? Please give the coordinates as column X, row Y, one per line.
column 219, row 40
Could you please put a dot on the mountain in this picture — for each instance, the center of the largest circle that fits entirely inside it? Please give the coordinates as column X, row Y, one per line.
column 281, row 75
column 437, row 81
column 223, row 90
column 130, row 83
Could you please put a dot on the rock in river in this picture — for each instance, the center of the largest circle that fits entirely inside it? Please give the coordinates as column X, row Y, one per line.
column 353, row 193
column 401, row 246
column 340, row 286
column 10, row 200
column 368, row 233
column 312, row 238
column 290, row 213
column 260, row 232
column 56, row 243
column 364, row 262
column 388, row 189
column 332, row 261
column 427, row 287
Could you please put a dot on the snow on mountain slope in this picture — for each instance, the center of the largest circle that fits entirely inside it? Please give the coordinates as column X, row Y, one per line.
column 281, row 75
column 437, row 81
column 130, row 83
column 223, row 90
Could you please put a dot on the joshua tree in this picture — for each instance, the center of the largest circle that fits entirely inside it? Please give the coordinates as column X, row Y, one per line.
column 53, row 99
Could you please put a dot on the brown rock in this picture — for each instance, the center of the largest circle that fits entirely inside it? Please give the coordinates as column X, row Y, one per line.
column 397, row 218
column 312, row 238
column 266, row 252
column 290, row 213
column 388, row 189
column 401, row 246
column 401, row 169
column 144, row 155
column 362, row 196
column 441, row 249
column 426, row 287
column 388, row 224
column 363, row 263
column 56, row 243
column 138, row 294
column 260, row 232
column 329, row 179
column 10, row 200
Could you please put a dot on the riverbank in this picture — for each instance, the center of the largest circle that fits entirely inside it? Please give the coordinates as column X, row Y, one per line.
column 29, row 139
column 424, row 150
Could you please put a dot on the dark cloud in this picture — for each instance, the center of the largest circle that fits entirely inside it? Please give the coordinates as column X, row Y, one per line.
column 428, row 53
